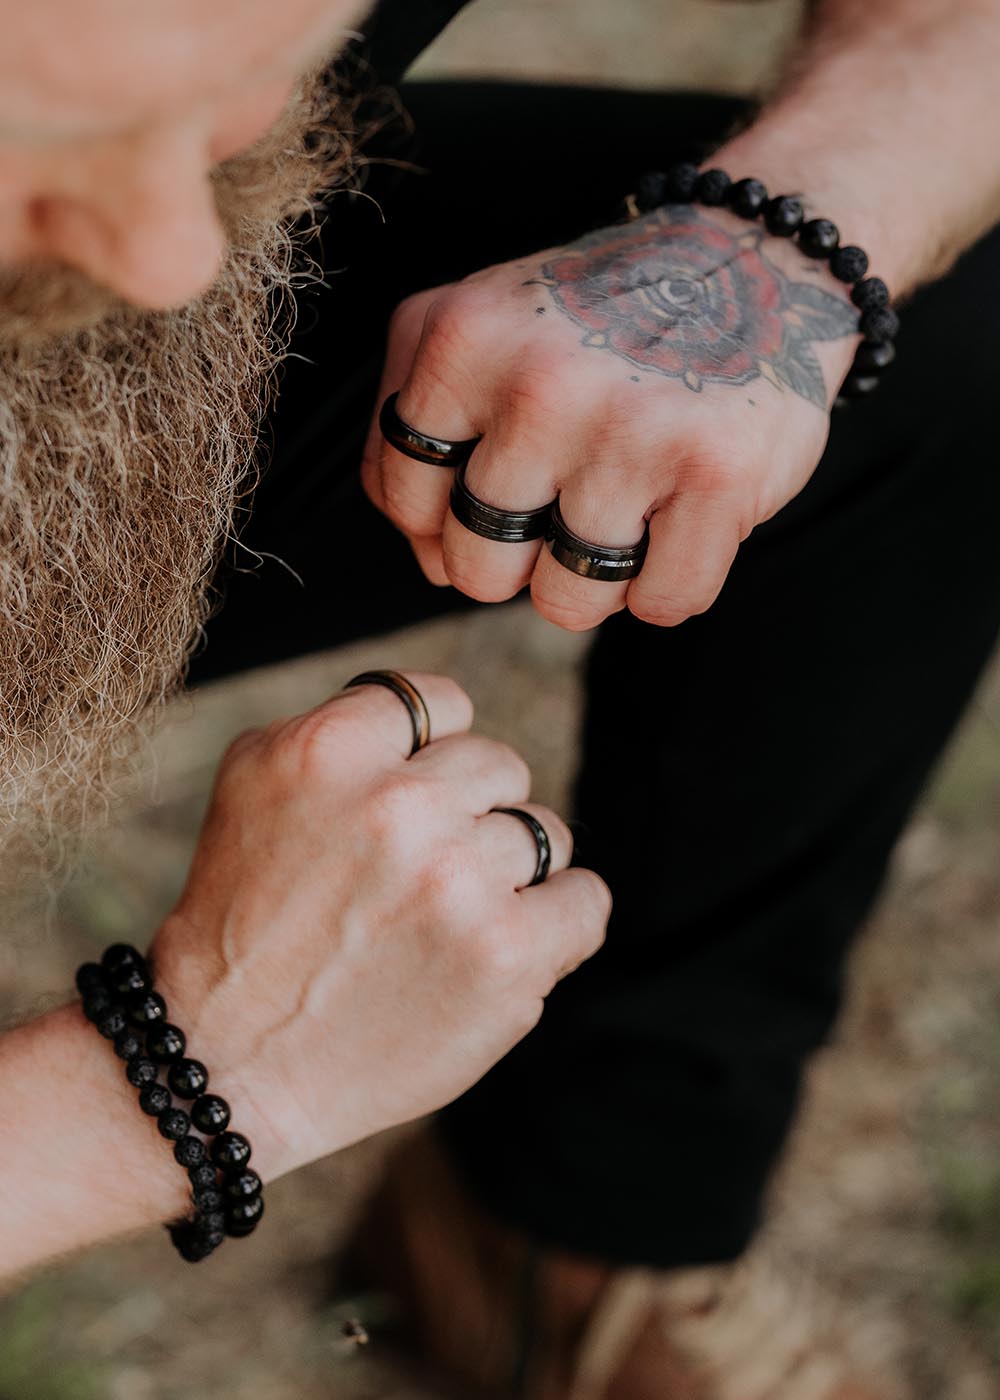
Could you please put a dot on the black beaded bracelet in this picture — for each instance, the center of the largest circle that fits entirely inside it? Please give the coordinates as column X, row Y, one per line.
column 784, row 217
column 226, row 1193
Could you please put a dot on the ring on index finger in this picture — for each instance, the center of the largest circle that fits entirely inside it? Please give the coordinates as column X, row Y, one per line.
column 593, row 560
column 492, row 523
column 436, row 452
column 416, row 706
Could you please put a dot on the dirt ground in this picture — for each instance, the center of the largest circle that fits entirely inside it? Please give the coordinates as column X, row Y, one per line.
column 891, row 1192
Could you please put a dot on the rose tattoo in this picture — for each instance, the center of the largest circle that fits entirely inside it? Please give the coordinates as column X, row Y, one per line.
column 676, row 294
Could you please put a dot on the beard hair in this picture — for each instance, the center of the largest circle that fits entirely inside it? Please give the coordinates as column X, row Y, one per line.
column 127, row 441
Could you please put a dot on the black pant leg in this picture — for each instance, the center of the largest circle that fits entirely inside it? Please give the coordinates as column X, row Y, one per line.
column 745, row 778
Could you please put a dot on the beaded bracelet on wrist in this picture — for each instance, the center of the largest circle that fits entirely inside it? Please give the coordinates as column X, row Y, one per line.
column 784, row 217
column 226, row 1193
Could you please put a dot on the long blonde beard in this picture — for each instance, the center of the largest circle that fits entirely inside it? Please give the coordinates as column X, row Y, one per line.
column 126, row 442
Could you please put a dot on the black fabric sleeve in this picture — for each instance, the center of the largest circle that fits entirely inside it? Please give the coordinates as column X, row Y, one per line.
column 398, row 31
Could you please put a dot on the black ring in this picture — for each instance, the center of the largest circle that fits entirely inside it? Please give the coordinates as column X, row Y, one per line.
column 416, row 705
column 492, row 523
column 541, row 840
column 436, row 452
column 593, row 560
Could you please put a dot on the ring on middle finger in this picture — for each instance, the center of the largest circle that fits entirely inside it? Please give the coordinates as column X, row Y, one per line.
column 593, row 560
column 492, row 523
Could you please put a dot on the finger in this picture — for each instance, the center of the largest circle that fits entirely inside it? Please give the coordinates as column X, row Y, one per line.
column 597, row 509
column 486, row 772
column 570, row 915
column 380, row 720
column 442, row 395
column 401, row 348
column 514, row 468
column 429, row 556
column 513, row 850
column 692, row 545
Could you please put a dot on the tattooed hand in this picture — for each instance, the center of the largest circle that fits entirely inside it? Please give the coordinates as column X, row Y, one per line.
column 676, row 370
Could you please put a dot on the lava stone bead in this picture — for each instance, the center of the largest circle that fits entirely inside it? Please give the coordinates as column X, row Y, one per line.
column 146, row 1008
column 713, row 187
column 783, row 215
column 230, row 1150
column 244, row 1216
column 880, row 323
column 210, row 1221
column 211, row 1114
column 243, row 1185
column 747, row 198
column 190, row 1151
column 188, row 1078
column 651, row 190
column 870, row 293
column 204, row 1177
column 190, row 1245
column 128, row 1045
column 96, row 1002
column 872, row 356
column 682, row 180
column 141, row 1071
column 165, row 1043
column 850, row 263
column 819, row 238
column 154, row 1099
column 90, row 975
column 119, row 956
column 112, row 1023
column 212, row 1237
column 859, row 386
column 130, row 979
column 173, row 1124
column 208, row 1198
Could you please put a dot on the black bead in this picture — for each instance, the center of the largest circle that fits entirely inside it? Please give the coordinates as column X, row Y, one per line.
column 681, row 182
column 121, row 955
column 880, row 323
column 870, row 293
column 651, row 190
column 713, row 187
column 859, row 386
column 230, row 1150
column 146, row 1008
column 128, row 1045
column 244, row 1216
column 130, row 979
column 190, row 1151
column 872, row 357
column 783, row 215
column 188, row 1243
column 188, row 1078
column 242, row 1185
column 209, row 1221
column 819, row 238
column 211, row 1114
column 154, row 1099
column 208, row 1198
column 212, row 1237
column 112, row 1023
column 90, row 975
column 204, row 1177
column 173, row 1124
column 849, row 263
column 141, row 1071
column 165, row 1043
column 97, row 1001
column 747, row 198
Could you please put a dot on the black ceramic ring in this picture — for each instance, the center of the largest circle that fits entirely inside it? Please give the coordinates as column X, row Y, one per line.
column 542, row 841
column 593, row 560
column 436, row 452
column 492, row 523
column 416, row 706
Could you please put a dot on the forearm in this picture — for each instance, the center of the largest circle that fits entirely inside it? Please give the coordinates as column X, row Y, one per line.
column 885, row 123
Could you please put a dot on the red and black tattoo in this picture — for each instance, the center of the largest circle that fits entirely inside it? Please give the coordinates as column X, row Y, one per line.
column 676, row 294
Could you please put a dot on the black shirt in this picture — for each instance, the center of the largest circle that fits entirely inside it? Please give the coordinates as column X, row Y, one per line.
column 399, row 30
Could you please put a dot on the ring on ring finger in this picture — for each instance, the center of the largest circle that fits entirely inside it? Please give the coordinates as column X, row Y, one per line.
column 542, row 843
column 422, row 447
column 492, row 523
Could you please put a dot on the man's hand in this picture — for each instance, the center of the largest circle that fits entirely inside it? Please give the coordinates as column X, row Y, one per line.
column 676, row 370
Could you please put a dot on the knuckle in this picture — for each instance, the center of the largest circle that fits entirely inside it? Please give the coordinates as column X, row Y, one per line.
column 450, row 323
column 397, row 812
column 449, row 884
column 498, row 954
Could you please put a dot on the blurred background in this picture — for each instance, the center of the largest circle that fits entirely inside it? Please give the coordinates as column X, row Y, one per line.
column 891, row 1194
